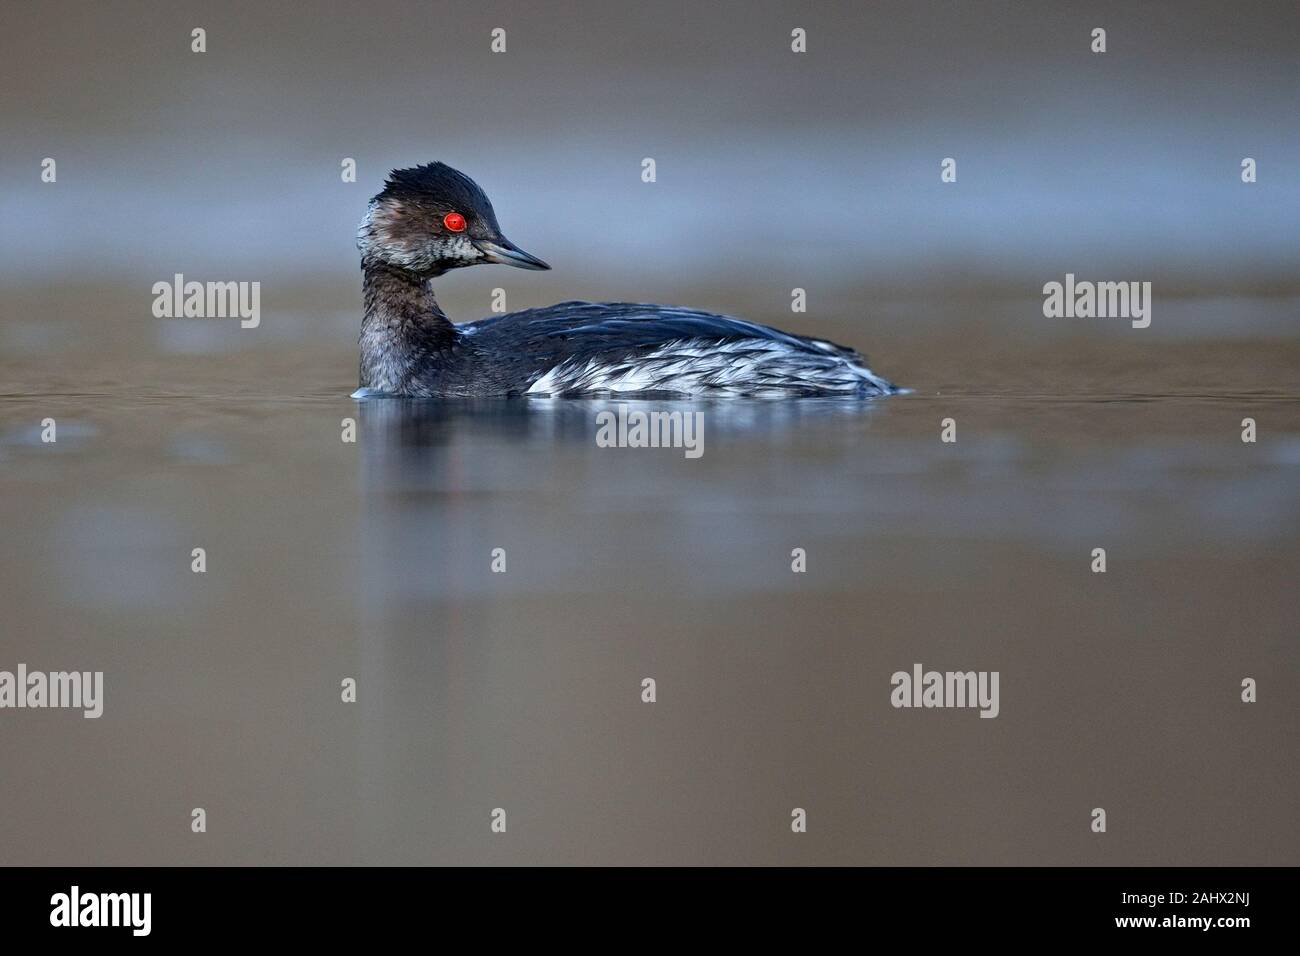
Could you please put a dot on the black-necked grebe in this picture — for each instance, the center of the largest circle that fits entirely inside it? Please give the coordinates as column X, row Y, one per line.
column 430, row 219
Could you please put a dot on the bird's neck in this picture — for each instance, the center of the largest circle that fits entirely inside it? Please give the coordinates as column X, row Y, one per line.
column 403, row 325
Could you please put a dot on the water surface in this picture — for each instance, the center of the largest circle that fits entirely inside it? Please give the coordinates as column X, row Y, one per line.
column 521, row 690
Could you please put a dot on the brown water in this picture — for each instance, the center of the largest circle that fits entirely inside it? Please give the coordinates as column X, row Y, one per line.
column 478, row 690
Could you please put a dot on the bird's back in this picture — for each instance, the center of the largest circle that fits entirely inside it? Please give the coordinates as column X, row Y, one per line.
column 624, row 347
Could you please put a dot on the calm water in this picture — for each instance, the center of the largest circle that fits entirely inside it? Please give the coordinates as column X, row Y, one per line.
column 478, row 690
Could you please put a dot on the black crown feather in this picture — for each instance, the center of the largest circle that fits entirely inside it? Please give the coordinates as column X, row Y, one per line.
column 438, row 185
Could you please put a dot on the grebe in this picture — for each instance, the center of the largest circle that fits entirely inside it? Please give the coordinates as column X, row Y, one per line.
column 430, row 219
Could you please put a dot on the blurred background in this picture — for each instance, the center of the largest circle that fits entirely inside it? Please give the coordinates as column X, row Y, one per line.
column 521, row 690
column 775, row 170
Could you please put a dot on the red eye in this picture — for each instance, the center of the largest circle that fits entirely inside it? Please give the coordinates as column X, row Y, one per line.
column 454, row 221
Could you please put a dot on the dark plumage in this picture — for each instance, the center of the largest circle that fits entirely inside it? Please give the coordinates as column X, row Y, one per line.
column 431, row 219
column 436, row 189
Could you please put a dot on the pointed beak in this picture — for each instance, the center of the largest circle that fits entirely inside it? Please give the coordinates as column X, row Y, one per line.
column 508, row 254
